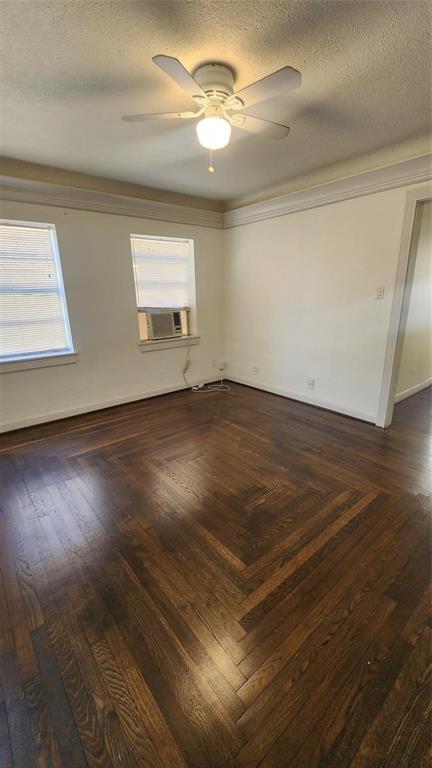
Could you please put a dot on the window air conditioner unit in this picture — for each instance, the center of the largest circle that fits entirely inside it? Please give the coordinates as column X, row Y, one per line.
column 164, row 323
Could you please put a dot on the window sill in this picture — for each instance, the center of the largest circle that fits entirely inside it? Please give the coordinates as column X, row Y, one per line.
column 157, row 344
column 38, row 362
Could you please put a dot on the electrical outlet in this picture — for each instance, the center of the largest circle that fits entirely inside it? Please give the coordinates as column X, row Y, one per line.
column 255, row 369
column 221, row 365
column 311, row 383
column 379, row 294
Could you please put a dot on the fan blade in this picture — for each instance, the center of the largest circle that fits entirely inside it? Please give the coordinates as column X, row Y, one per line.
column 265, row 127
column 158, row 116
column 282, row 81
column 177, row 72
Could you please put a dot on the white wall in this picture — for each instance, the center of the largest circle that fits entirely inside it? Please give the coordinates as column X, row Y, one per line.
column 293, row 296
column 98, row 275
column 300, row 301
column 415, row 370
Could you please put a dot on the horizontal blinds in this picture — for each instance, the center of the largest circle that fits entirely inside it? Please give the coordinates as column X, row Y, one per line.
column 33, row 318
column 161, row 272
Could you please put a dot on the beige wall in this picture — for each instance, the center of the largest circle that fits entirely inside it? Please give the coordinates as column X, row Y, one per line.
column 301, row 301
column 99, row 282
column 415, row 370
column 283, row 300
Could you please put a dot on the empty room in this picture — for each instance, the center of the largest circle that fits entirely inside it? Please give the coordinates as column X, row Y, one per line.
column 215, row 383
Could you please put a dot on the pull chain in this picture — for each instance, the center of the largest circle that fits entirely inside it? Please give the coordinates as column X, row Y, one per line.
column 211, row 169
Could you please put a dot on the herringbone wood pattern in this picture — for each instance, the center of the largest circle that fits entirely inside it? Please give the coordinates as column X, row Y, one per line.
column 230, row 580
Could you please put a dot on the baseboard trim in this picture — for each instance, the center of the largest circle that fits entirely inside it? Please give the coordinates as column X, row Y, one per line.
column 263, row 386
column 301, row 398
column 413, row 390
column 66, row 413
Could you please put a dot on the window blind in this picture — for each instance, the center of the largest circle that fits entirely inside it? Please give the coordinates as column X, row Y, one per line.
column 161, row 272
column 33, row 313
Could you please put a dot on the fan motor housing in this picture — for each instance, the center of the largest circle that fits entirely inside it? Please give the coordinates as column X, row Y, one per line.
column 215, row 78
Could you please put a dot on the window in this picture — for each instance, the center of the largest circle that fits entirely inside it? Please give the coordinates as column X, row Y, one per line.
column 162, row 283
column 33, row 314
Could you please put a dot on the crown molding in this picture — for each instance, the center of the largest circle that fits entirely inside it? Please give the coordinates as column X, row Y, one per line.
column 404, row 173
column 44, row 193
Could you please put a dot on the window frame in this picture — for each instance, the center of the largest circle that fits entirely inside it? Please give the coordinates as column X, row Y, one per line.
column 49, row 356
column 191, row 306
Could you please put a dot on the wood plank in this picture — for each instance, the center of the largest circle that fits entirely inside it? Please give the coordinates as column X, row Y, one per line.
column 232, row 581
column 18, row 720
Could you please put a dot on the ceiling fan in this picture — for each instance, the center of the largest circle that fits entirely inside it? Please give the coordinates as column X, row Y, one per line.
column 212, row 88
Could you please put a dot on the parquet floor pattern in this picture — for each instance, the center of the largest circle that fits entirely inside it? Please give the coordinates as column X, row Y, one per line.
column 216, row 581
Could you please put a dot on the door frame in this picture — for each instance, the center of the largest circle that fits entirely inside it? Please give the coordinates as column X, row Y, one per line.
column 401, row 297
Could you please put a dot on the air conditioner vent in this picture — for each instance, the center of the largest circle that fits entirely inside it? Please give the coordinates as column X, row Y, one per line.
column 164, row 324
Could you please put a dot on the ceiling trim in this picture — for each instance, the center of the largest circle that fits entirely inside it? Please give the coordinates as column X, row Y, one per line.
column 404, row 173
column 44, row 193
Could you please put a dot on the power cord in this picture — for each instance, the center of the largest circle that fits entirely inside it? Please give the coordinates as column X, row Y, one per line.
column 222, row 387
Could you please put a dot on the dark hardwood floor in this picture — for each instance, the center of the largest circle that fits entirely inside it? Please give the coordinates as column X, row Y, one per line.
column 219, row 580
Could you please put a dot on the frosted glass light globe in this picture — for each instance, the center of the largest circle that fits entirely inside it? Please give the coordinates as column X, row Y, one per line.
column 213, row 132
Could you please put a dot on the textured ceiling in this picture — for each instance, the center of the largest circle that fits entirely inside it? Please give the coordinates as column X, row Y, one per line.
column 71, row 69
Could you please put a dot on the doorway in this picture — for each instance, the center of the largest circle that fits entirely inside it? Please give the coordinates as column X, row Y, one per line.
column 408, row 363
column 414, row 372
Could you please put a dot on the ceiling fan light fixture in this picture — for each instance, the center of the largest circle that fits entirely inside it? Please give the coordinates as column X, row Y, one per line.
column 213, row 132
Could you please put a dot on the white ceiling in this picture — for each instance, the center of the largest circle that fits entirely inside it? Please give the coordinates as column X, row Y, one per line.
column 70, row 69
